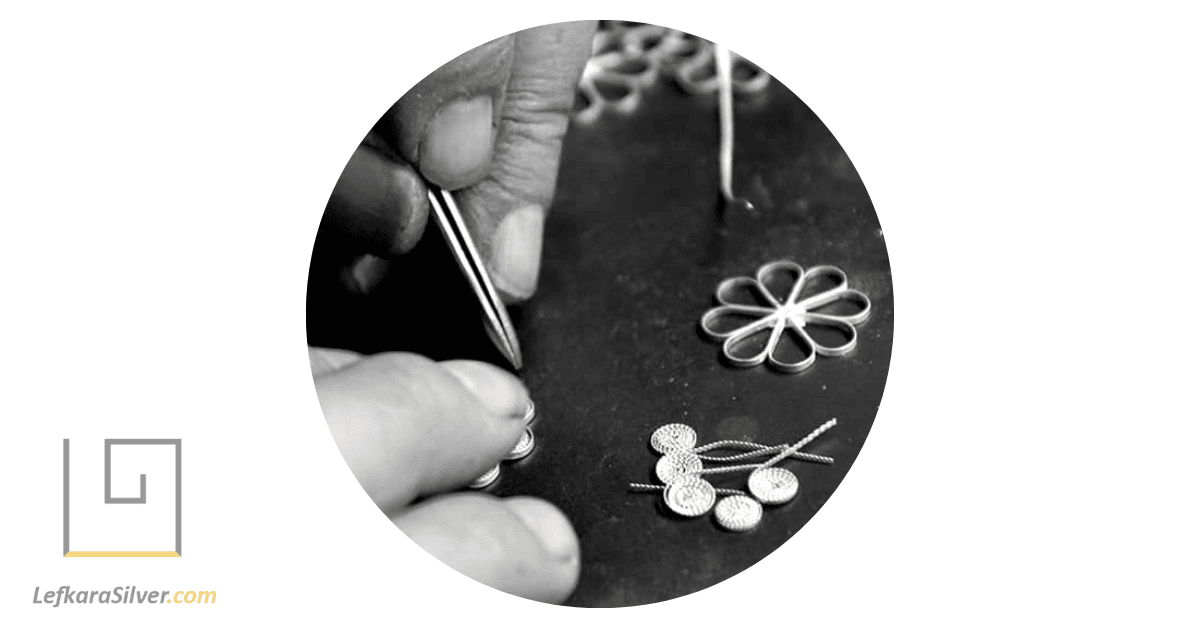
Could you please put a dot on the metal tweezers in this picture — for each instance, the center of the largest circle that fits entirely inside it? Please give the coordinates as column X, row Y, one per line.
column 497, row 323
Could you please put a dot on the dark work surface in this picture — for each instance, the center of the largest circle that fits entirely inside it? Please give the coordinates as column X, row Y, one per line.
column 633, row 253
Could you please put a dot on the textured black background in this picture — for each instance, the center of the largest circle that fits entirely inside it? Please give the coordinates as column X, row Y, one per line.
column 633, row 252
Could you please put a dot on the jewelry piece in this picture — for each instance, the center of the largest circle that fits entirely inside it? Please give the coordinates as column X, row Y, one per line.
column 774, row 316
column 487, row 478
column 681, row 437
column 628, row 59
column 738, row 513
column 773, row 485
column 673, row 436
column 660, row 487
column 677, row 463
column 821, row 429
column 690, row 496
column 687, row 494
column 756, row 450
column 523, row 447
column 789, row 451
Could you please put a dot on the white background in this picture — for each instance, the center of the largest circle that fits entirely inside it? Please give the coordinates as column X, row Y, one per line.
column 1033, row 166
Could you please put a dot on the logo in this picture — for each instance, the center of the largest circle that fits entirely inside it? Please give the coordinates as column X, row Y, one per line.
column 124, row 517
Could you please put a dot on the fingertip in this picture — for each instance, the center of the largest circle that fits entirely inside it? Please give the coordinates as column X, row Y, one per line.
column 558, row 541
column 323, row 360
column 496, row 542
column 408, row 190
column 475, row 79
column 366, row 272
column 551, row 527
column 499, row 391
column 456, row 149
column 379, row 201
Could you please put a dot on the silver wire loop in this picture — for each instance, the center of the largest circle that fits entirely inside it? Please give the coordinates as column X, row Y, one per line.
column 627, row 60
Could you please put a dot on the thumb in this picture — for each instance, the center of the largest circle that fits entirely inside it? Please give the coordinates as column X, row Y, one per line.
column 408, row 426
column 507, row 209
column 444, row 125
column 440, row 130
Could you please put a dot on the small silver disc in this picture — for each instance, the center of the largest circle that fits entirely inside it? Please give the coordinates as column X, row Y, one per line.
column 690, row 496
column 738, row 513
column 673, row 436
column 487, row 478
column 530, row 412
column 677, row 464
column 772, row 485
column 523, row 447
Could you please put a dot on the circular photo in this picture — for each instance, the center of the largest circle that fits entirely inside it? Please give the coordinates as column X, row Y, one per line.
column 599, row 313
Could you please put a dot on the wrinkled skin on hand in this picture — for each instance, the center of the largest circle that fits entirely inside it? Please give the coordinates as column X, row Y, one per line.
column 488, row 124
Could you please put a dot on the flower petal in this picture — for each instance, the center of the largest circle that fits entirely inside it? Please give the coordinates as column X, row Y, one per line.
column 850, row 306
column 723, row 321
column 781, row 279
column 830, row 336
column 746, row 292
column 748, row 78
column 623, row 65
column 821, row 281
column 750, row 345
column 795, row 350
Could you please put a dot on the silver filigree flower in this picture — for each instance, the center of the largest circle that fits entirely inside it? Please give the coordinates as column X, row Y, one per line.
column 773, row 316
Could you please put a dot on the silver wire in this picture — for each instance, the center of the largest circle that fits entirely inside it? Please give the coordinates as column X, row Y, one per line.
column 755, row 450
column 724, row 63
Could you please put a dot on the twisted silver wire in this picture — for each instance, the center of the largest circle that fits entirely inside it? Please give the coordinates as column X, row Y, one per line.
column 659, row 487
column 786, row 452
column 756, row 450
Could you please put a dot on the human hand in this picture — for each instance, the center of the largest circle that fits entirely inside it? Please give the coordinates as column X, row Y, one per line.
column 410, row 428
column 490, row 124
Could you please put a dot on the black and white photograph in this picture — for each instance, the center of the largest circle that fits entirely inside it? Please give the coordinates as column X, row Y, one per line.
column 600, row 313
column 493, row 314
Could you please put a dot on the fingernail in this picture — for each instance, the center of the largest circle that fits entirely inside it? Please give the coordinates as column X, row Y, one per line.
column 517, row 252
column 456, row 149
column 500, row 392
column 548, row 524
column 367, row 272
